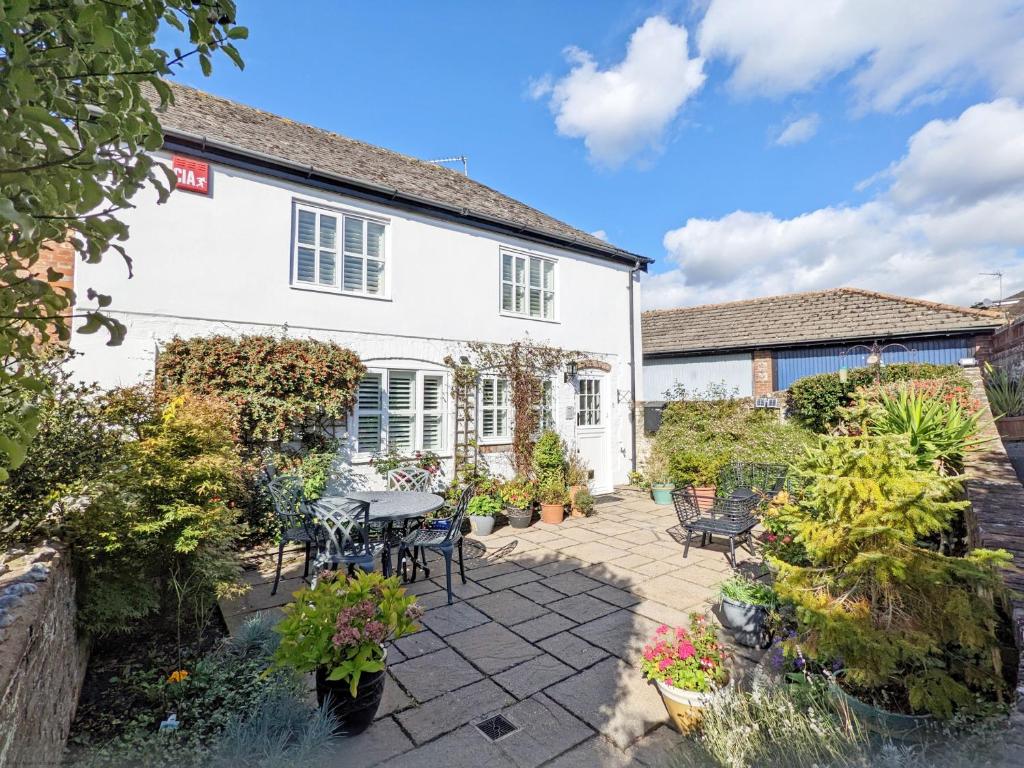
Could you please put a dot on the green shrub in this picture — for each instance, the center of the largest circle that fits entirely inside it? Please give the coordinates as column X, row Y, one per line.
column 484, row 505
column 549, row 457
column 748, row 591
column 583, row 501
column 815, row 401
column 1005, row 392
column 552, row 491
column 518, row 493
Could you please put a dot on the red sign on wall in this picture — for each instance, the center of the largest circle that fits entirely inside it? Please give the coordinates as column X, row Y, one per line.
column 193, row 175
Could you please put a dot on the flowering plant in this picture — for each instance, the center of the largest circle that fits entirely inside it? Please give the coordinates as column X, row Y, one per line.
column 689, row 659
column 384, row 461
column 518, row 493
column 341, row 624
column 779, row 520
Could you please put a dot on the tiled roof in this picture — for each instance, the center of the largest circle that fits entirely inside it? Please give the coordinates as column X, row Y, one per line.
column 835, row 315
column 197, row 114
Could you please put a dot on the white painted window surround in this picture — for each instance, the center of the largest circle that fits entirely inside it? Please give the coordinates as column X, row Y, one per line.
column 528, row 287
column 340, row 251
column 400, row 409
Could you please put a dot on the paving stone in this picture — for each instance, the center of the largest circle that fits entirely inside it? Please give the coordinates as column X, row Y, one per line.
column 394, row 699
column 433, row 674
column 543, row 626
column 412, row 646
column 559, row 566
column 448, row 619
column 539, row 593
column 496, row 569
column 632, row 560
column 508, row 607
column 615, row 596
column 593, row 753
column 380, row 742
column 546, row 731
column 581, row 608
column 571, row 583
column 661, row 552
column 492, row 648
column 593, row 552
column 574, row 651
column 453, row 710
column 703, row 577
column 613, row 699
column 236, row 620
column 610, row 528
column 421, row 587
column 534, row 675
column 463, row 748
column 639, row 536
column 671, row 591
column 657, row 568
column 510, row 580
column 459, row 590
column 659, row 748
column 258, row 598
column 622, row 633
column 664, row 614
column 609, row 573
column 582, row 535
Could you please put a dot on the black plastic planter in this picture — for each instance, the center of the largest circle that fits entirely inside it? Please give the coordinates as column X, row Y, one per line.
column 749, row 623
column 519, row 518
column 354, row 715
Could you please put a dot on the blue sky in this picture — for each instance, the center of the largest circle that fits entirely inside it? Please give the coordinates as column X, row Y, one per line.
column 657, row 123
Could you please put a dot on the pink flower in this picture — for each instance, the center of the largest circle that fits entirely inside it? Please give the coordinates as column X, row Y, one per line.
column 786, row 539
column 706, row 662
column 662, row 630
column 680, row 633
column 664, row 664
column 771, row 537
column 669, row 681
column 686, row 650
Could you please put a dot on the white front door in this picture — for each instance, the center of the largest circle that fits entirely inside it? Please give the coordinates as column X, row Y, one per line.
column 592, row 431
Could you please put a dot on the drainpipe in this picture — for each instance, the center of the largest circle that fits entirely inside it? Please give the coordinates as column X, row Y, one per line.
column 632, row 366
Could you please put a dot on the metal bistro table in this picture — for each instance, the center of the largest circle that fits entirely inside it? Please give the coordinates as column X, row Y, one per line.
column 391, row 506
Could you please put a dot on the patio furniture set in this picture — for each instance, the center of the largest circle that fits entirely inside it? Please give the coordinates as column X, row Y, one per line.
column 355, row 530
column 741, row 489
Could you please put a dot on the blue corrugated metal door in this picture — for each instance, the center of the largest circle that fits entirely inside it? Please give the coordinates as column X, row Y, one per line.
column 793, row 364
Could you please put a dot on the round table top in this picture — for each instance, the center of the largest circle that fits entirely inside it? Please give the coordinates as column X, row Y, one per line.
column 398, row 505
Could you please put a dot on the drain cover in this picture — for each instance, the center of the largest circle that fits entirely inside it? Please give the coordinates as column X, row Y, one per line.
column 496, row 727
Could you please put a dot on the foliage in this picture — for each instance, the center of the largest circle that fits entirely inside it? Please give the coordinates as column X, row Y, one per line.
column 744, row 590
column 341, row 624
column 780, row 520
column 518, row 493
column 1005, row 392
column 939, row 431
column 553, row 491
column 72, row 444
column 583, row 501
column 155, row 530
column 698, row 438
column 484, row 505
column 576, row 470
column 916, row 629
column 814, row 401
column 549, row 458
column 76, row 146
column 691, row 659
column 525, row 364
column 385, row 461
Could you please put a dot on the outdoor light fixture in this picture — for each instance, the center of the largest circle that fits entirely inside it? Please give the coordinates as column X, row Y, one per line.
column 570, row 371
column 463, row 360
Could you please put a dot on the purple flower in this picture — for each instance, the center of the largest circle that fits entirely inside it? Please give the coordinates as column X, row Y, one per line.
column 375, row 631
column 799, row 662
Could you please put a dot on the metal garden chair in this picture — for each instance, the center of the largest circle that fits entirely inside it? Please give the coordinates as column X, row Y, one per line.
column 343, row 536
column 742, row 480
column 446, row 542
column 408, row 479
column 732, row 518
column 293, row 518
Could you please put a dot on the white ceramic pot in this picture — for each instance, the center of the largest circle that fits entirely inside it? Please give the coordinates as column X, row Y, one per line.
column 482, row 525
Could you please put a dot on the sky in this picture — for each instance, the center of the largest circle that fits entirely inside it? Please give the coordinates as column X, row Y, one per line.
column 750, row 147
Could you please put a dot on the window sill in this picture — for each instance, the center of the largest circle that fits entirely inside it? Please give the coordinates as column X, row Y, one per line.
column 336, row 292
column 515, row 316
column 364, row 459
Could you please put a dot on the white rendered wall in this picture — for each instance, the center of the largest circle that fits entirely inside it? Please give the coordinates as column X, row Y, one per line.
column 220, row 264
column 697, row 373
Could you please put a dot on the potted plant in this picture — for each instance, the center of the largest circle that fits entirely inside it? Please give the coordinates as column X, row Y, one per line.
column 661, row 479
column 518, row 496
column 549, row 457
column 583, row 504
column 577, row 477
column 687, row 666
column 553, row 498
column 337, row 630
column 746, row 608
column 481, row 510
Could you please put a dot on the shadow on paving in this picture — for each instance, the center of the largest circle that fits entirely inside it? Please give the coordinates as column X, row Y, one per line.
column 547, row 632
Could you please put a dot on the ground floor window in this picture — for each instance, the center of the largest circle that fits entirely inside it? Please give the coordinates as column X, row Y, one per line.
column 495, row 410
column 401, row 410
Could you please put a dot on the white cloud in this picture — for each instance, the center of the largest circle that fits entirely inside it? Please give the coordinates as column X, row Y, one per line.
column 799, row 130
column 623, row 110
column 600, row 234
column 897, row 53
column 954, row 208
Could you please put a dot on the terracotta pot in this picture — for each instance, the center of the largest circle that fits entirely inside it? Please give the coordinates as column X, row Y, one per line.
column 705, row 496
column 553, row 514
column 685, row 708
column 1011, row 427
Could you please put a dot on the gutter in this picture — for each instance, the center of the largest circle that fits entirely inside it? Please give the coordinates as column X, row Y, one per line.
column 225, row 153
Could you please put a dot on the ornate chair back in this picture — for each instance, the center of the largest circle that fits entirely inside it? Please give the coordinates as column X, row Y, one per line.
column 455, row 529
column 685, row 501
column 738, row 513
column 344, row 533
column 408, row 479
column 286, row 493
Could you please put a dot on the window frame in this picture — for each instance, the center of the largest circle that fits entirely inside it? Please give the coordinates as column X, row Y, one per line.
column 528, row 257
column 361, row 456
column 496, row 439
column 549, row 408
column 598, row 409
column 340, row 253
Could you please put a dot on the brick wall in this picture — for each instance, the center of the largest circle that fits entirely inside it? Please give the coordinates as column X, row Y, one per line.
column 1005, row 347
column 995, row 519
column 42, row 659
column 61, row 258
column 763, row 372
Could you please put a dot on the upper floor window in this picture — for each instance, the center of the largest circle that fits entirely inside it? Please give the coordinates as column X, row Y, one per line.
column 527, row 285
column 338, row 251
column 403, row 410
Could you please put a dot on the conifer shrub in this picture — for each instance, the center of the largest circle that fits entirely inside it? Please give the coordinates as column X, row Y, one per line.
column 915, row 630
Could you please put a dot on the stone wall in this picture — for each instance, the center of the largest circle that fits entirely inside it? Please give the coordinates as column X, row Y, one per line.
column 1005, row 347
column 995, row 519
column 42, row 659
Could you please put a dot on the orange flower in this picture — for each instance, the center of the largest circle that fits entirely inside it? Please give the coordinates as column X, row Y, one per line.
column 177, row 676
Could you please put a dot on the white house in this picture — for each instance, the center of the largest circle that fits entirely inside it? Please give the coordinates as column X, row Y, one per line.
column 279, row 227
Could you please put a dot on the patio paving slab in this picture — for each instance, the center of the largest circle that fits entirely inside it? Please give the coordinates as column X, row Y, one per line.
column 581, row 608
column 574, row 651
column 593, row 552
column 539, row 593
column 374, row 746
column 658, row 749
column 508, row 607
column 615, row 596
column 543, row 626
column 546, row 731
column 492, row 648
column 453, row 710
column 622, row 633
column 412, row 646
column 533, row 676
column 593, row 753
column 510, row 580
column 613, row 699
column 434, row 674
column 561, row 565
column 449, row 619
column 494, row 569
column 571, row 583
column 462, row 748
column 394, row 699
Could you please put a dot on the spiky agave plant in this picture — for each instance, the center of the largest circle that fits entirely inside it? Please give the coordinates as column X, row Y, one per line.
column 1005, row 392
